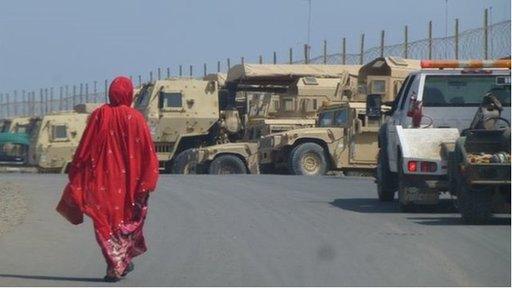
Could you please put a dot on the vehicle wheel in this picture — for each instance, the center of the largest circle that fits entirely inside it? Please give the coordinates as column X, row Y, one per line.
column 186, row 163
column 227, row 164
column 475, row 205
column 308, row 159
column 385, row 184
column 403, row 186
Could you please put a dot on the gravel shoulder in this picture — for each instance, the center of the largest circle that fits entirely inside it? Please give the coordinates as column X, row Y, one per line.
column 13, row 207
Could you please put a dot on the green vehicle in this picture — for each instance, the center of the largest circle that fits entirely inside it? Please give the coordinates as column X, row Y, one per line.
column 14, row 148
column 479, row 164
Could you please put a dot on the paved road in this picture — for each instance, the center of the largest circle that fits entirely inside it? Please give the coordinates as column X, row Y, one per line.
column 261, row 230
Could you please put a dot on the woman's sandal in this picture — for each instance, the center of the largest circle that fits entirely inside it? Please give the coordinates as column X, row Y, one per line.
column 128, row 269
column 109, row 278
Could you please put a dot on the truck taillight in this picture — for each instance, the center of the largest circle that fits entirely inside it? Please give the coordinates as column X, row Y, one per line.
column 412, row 166
column 428, row 166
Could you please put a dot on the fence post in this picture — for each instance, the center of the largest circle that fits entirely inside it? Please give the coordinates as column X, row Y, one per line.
column 86, row 92
column 406, row 42
column 361, row 54
column 24, row 101
column 168, row 72
column 140, row 80
column 430, row 39
column 382, row 43
column 7, row 108
column 73, row 101
column 15, row 102
column 486, row 34
column 2, row 106
column 46, row 101
column 106, row 91
column 204, row 69
column 95, row 91
column 344, row 51
column 67, row 97
column 228, row 62
column 218, row 66
column 261, row 59
column 181, row 70
column 325, row 51
column 456, row 38
column 150, row 76
column 242, row 60
column 290, row 56
column 81, row 93
column 159, row 72
column 191, row 72
column 275, row 58
column 61, row 92
column 306, row 59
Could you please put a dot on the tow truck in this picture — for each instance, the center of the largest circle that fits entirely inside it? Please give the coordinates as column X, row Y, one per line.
column 432, row 108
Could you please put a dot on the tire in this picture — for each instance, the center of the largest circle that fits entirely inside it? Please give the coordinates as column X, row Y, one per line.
column 308, row 159
column 186, row 163
column 386, row 185
column 475, row 205
column 403, row 185
column 227, row 164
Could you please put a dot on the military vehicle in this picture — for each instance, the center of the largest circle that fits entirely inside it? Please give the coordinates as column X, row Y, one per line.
column 384, row 76
column 57, row 137
column 4, row 125
column 346, row 134
column 344, row 138
column 278, row 98
column 479, row 161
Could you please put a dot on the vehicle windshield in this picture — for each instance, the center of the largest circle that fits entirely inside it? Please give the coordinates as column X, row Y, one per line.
column 259, row 105
column 457, row 90
column 143, row 99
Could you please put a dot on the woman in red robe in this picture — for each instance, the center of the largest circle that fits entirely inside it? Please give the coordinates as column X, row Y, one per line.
column 113, row 170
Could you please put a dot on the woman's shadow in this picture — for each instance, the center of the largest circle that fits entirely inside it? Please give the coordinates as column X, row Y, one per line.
column 52, row 278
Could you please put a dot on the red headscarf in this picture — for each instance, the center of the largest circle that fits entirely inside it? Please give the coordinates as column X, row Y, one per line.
column 114, row 164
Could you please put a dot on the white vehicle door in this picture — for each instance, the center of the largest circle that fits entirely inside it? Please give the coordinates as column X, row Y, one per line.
column 396, row 119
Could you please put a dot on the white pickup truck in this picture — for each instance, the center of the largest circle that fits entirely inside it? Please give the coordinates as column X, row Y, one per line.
column 432, row 107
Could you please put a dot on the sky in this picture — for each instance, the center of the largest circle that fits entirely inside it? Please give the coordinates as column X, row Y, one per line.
column 61, row 42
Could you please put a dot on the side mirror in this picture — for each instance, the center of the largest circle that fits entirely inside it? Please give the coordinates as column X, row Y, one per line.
column 373, row 104
column 358, row 126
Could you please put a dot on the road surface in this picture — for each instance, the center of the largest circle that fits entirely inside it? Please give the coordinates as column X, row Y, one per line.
column 259, row 231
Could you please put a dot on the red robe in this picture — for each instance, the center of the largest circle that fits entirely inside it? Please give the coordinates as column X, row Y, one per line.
column 113, row 170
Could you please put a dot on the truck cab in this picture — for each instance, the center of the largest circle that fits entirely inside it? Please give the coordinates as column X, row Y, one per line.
column 433, row 106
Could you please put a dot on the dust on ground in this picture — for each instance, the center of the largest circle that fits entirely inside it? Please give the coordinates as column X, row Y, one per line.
column 13, row 207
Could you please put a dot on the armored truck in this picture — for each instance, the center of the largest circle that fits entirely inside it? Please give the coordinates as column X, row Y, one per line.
column 344, row 138
column 278, row 98
column 57, row 137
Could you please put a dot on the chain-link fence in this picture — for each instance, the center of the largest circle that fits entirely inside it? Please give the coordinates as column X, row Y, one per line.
column 488, row 42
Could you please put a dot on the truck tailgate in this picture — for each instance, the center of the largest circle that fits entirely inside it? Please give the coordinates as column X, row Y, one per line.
column 424, row 144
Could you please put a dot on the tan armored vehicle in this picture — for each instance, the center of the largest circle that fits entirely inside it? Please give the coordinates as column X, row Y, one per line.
column 278, row 98
column 345, row 138
column 4, row 125
column 57, row 138
column 384, row 76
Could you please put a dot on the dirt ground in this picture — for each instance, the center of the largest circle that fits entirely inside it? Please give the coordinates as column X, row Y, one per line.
column 13, row 207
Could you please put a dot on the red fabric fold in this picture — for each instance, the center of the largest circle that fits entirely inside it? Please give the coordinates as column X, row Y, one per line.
column 114, row 164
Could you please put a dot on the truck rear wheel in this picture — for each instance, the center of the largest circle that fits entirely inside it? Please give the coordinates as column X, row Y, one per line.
column 227, row 164
column 385, row 184
column 186, row 163
column 403, row 186
column 308, row 159
column 475, row 205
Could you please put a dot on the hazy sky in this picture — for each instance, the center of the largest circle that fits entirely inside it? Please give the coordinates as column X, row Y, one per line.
column 58, row 42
